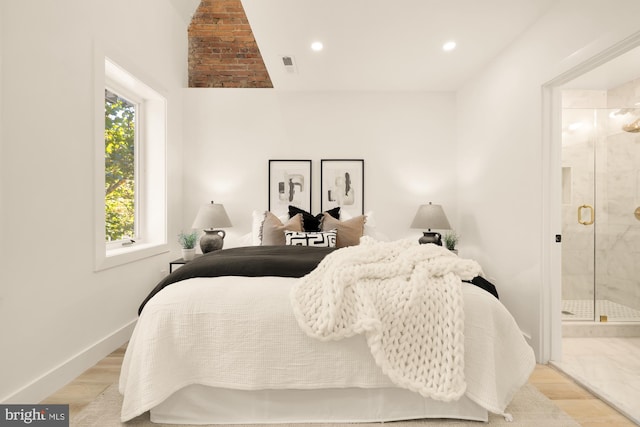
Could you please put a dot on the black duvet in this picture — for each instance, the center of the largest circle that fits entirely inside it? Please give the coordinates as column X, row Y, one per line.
column 249, row 261
column 256, row 261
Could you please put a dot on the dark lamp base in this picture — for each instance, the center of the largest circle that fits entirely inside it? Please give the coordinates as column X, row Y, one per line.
column 212, row 240
column 431, row 237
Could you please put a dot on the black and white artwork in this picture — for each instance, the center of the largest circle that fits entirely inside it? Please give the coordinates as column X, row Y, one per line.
column 289, row 184
column 342, row 184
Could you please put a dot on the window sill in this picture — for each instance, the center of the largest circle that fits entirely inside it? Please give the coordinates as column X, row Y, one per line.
column 115, row 257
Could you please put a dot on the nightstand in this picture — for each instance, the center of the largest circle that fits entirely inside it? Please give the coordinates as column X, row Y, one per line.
column 179, row 263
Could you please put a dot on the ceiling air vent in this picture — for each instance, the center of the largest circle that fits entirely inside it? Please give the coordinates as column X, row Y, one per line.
column 289, row 63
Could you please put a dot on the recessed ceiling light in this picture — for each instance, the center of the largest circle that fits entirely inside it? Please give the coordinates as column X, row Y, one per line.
column 448, row 46
column 317, row 46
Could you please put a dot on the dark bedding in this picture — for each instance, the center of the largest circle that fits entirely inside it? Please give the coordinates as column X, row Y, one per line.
column 256, row 261
column 483, row 283
column 250, row 261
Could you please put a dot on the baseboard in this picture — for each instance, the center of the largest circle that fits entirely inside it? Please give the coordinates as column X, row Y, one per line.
column 56, row 378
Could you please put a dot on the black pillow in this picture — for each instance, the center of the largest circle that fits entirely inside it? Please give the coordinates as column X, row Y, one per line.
column 310, row 222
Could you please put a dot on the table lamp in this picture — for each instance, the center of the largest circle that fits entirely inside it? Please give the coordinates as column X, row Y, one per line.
column 431, row 216
column 211, row 217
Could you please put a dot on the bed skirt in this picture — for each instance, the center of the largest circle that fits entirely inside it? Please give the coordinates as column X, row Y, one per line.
column 198, row 404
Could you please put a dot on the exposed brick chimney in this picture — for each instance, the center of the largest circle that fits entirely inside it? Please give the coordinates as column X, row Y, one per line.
column 222, row 49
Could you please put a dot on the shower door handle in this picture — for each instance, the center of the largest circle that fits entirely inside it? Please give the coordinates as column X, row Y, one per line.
column 592, row 216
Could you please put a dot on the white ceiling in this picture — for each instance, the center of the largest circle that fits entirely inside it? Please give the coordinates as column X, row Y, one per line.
column 385, row 45
column 382, row 45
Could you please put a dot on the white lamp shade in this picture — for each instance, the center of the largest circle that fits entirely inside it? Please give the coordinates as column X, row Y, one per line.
column 211, row 216
column 430, row 217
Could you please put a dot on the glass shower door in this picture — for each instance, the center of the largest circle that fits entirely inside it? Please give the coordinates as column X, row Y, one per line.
column 601, row 214
column 580, row 132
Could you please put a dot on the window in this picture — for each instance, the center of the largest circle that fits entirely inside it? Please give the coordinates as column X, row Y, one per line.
column 120, row 167
column 130, row 168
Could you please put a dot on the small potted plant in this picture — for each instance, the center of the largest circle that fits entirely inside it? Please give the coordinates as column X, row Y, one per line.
column 188, row 242
column 450, row 241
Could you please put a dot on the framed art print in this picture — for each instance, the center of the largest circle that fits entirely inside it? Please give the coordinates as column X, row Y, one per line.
column 289, row 184
column 342, row 184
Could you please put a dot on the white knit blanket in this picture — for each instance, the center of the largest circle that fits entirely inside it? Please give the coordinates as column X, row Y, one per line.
column 406, row 298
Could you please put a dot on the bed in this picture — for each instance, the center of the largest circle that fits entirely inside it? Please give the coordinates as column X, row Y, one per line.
column 220, row 341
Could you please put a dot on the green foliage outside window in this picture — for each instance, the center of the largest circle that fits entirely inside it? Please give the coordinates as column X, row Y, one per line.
column 119, row 165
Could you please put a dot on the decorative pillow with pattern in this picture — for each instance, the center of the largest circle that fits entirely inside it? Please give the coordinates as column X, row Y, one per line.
column 319, row 239
column 311, row 222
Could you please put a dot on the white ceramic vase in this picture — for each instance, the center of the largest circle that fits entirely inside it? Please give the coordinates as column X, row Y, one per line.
column 188, row 254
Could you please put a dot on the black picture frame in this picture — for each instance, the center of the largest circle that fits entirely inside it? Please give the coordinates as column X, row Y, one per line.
column 289, row 184
column 342, row 184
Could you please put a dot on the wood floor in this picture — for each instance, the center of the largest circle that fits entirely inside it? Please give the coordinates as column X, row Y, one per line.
column 586, row 409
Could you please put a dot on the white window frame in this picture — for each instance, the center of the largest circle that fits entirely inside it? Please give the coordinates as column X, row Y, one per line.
column 123, row 78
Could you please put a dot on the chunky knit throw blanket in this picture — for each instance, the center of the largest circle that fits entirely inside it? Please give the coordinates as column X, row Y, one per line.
column 406, row 298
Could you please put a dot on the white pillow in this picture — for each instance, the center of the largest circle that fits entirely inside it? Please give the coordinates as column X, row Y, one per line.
column 256, row 225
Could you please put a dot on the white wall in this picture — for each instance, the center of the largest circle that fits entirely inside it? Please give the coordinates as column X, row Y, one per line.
column 500, row 149
column 406, row 140
column 58, row 316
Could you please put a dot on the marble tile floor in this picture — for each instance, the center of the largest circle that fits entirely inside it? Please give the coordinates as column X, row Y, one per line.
column 608, row 367
column 583, row 310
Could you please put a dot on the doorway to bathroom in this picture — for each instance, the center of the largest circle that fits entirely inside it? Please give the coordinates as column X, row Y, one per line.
column 601, row 204
column 600, row 222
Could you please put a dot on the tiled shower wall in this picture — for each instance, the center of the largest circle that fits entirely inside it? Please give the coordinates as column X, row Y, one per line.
column 620, row 246
column 616, row 161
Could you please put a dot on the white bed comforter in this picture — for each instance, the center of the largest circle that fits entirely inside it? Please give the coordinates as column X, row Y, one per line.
column 240, row 333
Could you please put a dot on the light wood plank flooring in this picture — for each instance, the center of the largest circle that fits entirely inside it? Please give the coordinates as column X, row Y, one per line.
column 84, row 389
column 585, row 408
